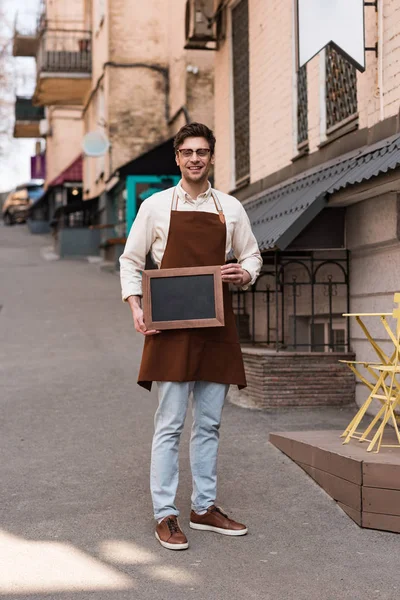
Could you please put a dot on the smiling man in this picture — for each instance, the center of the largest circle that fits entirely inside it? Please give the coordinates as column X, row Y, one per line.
column 188, row 226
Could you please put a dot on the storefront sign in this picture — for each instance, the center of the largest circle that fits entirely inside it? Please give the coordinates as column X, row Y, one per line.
column 38, row 166
column 336, row 22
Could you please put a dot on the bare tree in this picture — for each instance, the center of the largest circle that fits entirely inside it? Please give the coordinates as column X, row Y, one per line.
column 6, row 79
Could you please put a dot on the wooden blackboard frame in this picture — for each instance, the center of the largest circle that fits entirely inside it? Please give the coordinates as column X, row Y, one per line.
column 219, row 319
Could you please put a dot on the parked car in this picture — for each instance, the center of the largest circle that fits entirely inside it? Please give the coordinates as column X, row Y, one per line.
column 16, row 205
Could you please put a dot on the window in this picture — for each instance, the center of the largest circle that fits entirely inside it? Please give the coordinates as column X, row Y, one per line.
column 240, row 66
column 323, row 342
column 302, row 338
column 341, row 89
column 302, row 107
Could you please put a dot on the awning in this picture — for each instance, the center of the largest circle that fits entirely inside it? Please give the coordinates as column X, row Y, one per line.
column 73, row 207
column 72, row 174
column 279, row 214
column 160, row 160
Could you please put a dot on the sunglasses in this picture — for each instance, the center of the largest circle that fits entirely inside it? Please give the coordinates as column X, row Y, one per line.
column 188, row 152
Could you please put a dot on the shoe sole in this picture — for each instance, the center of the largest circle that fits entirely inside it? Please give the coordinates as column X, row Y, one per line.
column 231, row 532
column 172, row 546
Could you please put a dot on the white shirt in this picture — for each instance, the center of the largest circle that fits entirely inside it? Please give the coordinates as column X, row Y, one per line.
column 149, row 232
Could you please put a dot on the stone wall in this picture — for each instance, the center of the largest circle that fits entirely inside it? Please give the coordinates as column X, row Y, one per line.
column 279, row 379
column 144, row 82
column 372, row 238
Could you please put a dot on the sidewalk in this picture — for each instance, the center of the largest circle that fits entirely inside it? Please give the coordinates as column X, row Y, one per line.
column 75, row 435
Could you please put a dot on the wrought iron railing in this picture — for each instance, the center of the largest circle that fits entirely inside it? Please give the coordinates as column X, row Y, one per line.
column 66, row 51
column 302, row 106
column 297, row 303
column 341, row 88
column 25, row 111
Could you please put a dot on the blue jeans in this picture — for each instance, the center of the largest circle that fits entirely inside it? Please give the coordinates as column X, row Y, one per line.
column 208, row 401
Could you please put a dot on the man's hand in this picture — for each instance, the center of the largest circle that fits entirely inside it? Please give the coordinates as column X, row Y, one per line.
column 233, row 273
column 137, row 312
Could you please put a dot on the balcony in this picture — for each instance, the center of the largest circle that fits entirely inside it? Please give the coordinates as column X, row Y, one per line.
column 25, row 42
column 27, row 118
column 64, row 66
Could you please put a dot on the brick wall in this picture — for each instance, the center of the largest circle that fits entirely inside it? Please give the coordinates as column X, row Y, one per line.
column 272, row 101
column 270, row 35
column 295, row 379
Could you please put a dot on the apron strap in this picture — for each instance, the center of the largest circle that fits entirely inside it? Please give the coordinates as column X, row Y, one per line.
column 218, row 207
column 174, row 200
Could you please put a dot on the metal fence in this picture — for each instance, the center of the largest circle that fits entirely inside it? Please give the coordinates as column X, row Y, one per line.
column 302, row 106
column 297, row 303
column 67, row 51
column 341, row 88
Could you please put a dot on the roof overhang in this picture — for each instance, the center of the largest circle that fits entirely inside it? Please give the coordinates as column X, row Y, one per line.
column 159, row 160
column 280, row 214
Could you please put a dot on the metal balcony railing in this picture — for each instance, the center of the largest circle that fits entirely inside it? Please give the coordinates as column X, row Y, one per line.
column 65, row 51
column 25, row 111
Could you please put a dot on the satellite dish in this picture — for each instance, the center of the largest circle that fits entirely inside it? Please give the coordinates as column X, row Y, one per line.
column 95, row 143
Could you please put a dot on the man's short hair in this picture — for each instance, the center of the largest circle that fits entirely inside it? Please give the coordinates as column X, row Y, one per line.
column 195, row 130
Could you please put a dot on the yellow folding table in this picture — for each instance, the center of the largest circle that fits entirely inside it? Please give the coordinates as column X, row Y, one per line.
column 387, row 394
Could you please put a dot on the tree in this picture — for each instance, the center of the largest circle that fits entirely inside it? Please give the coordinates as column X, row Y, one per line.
column 6, row 79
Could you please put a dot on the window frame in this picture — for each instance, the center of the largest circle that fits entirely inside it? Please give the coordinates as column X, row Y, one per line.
column 243, row 180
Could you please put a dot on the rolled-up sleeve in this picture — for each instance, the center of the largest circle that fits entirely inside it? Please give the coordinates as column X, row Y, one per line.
column 245, row 247
column 133, row 259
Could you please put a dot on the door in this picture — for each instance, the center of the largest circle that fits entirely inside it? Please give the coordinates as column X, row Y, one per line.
column 140, row 187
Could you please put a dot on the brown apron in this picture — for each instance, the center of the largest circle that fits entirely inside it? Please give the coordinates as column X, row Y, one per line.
column 195, row 239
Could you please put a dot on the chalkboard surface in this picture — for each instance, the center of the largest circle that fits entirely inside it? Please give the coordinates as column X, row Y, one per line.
column 183, row 298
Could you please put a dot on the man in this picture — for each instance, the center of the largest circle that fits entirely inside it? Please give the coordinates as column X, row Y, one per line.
column 188, row 226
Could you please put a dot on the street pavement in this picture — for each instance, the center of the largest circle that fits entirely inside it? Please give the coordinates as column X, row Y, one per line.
column 75, row 435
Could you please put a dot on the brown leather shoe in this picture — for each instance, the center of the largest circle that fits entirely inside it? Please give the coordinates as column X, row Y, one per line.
column 170, row 535
column 215, row 520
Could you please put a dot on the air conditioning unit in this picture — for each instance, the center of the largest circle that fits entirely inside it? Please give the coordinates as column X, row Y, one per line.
column 200, row 27
column 44, row 128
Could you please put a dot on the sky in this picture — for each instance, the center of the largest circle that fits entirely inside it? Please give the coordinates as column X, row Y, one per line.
column 15, row 161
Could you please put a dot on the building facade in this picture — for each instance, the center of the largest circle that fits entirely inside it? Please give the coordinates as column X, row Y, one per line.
column 119, row 69
column 313, row 154
column 144, row 87
column 61, row 48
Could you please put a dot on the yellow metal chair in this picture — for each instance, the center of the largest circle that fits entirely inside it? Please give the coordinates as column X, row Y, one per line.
column 391, row 400
column 391, row 397
column 379, row 390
